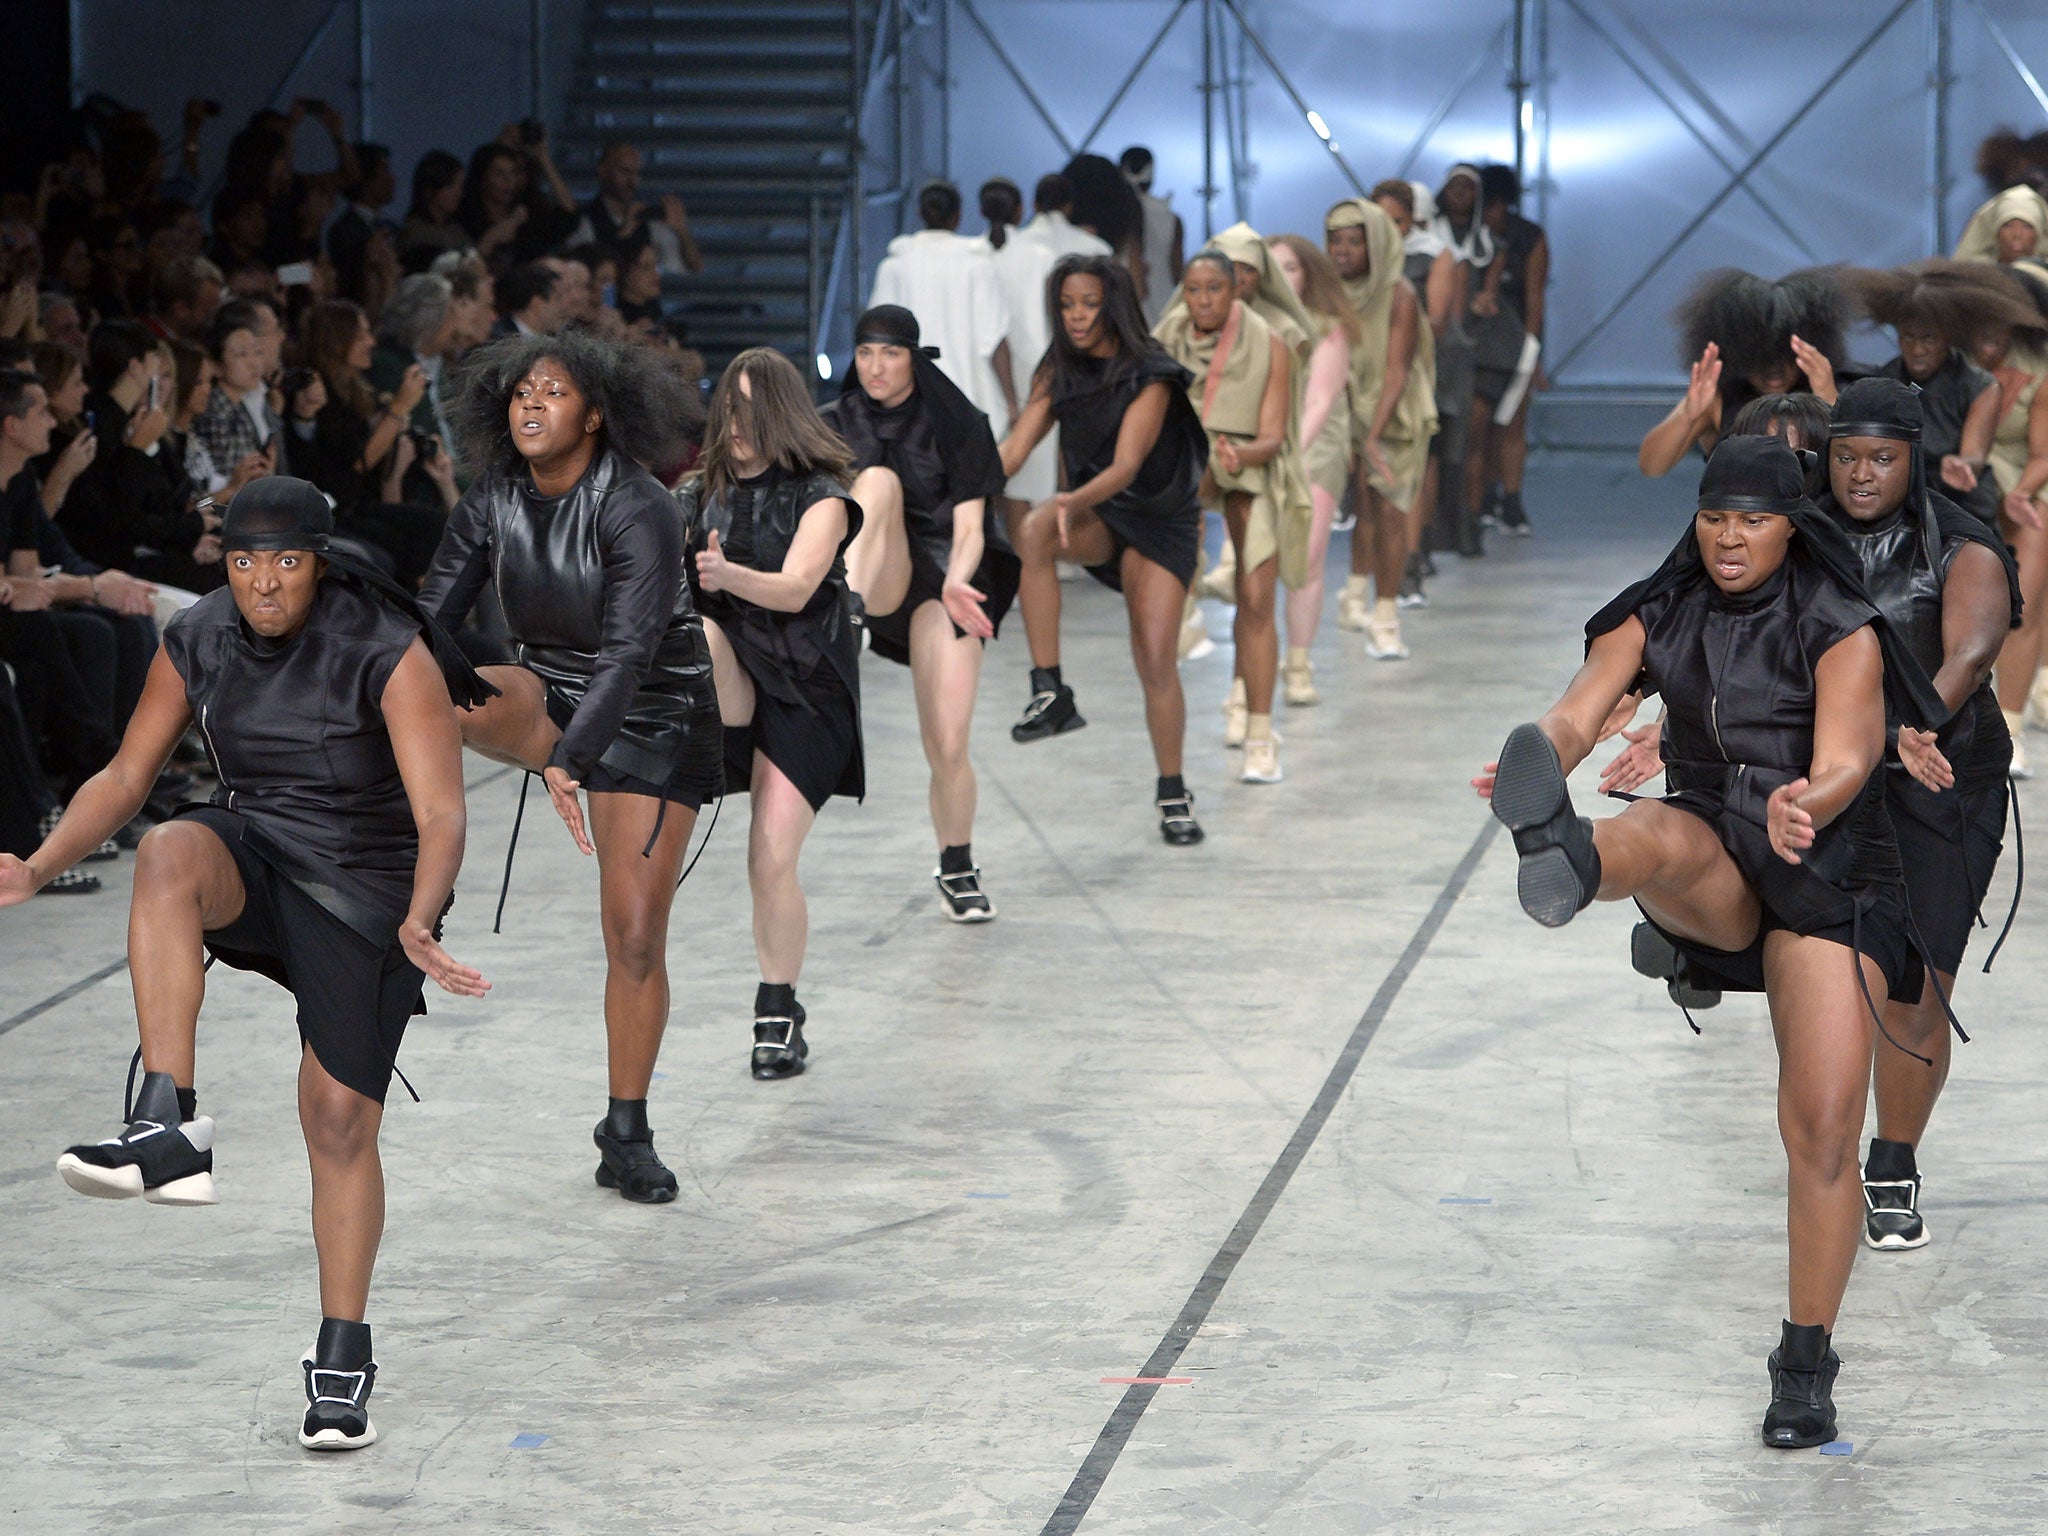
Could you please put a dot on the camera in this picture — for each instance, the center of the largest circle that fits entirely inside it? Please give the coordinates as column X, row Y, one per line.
column 424, row 444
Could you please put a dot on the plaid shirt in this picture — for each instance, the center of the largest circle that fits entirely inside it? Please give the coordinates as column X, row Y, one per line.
column 230, row 434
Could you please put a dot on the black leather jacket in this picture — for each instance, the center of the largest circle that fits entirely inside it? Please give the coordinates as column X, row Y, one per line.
column 593, row 591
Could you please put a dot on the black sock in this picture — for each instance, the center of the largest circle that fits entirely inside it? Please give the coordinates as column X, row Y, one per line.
column 1890, row 1160
column 188, row 1103
column 626, row 1120
column 775, row 1000
column 956, row 860
column 342, row 1346
column 1171, row 787
column 1045, row 679
column 1803, row 1346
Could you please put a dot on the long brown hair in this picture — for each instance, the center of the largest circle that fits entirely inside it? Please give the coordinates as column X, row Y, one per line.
column 1322, row 290
column 326, row 337
column 777, row 417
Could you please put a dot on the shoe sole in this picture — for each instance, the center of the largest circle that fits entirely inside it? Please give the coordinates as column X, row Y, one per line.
column 606, row 1179
column 1891, row 1243
column 1785, row 1440
column 971, row 916
column 1528, row 790
column 1203, row 647
column 776, row 1073
column 1028, row 737
column 1303, row 700
column 1249, row 777
column 1400, row 654
column 126, row 1184
column 335, row 1440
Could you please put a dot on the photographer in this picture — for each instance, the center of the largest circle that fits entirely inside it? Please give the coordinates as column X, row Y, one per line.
column 515, row 204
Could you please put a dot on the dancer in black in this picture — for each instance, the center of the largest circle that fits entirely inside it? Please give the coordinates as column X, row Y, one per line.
column 1948, row 586
column 611, row 691
column 325, row 862
column 1937, row 308
column 1134, row 451
column 1743, row 336
column 932, row 567
column 1771, row 865
column 767, row 521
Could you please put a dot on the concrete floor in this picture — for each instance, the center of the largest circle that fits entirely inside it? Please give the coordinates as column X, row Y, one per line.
column 1522, row 1279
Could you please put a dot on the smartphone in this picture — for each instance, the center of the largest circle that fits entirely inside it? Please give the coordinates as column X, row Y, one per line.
column 295, row 274
column 155, row 385
column 92, row 421
column 610, row 292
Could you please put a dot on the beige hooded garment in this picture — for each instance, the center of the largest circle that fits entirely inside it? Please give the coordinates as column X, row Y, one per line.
column 1405, row 441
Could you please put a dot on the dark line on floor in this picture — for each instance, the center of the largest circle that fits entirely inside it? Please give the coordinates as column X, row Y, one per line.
column 66, row 995
column 1123, row 1420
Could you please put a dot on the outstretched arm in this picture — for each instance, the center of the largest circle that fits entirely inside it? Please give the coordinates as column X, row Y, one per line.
column 1613, row 663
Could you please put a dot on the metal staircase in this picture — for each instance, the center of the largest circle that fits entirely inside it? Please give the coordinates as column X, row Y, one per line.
column 748, row 110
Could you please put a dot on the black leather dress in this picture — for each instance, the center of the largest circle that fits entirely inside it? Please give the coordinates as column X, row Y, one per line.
column 1159, row 514
column 805, row 665
column 592, row 586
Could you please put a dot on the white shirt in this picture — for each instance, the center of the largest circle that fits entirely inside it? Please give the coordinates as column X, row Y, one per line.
column 950, row 284
column 1023, row 264
column 1056, row 232
column 1157, row 247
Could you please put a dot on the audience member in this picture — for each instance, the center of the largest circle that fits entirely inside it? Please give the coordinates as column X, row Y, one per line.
column 616, row 217
column 431, row 228
column 527, row 305
column 239, row 419
column 188, row 291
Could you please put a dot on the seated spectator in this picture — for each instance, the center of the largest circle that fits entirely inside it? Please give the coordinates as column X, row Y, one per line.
column 430, row 228
column 238, row 419
column 575, row 299
column 617, row 217
column 170, row 229
column 360, row 242
column 132, row 507
column 29, row 808
column 416, row 330
column 192, row 376
column 640, row 287
column 472, row 301
column 241, row 229
column 117, row 268
column 62, row 374
column 526, row 301
column 188, row 291
column 57, row 314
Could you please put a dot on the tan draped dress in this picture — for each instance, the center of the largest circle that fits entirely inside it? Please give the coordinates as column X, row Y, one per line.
column 1404, row 443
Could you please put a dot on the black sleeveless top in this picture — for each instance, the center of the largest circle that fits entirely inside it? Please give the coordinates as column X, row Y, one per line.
column 593, row 591
column 1090, row 417
column 298, row 740
column 1945, row 401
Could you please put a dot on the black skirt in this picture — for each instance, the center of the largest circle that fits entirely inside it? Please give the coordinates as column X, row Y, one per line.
column 889, row 633
column 814, row 739
column 698, row 771
column 1172, row 543
column 354, row 999
column 1949, row 863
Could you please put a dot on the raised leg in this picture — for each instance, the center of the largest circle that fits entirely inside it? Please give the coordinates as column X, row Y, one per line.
column 514, row 727
column 185, row 883
column 878, row 559
column 734, row 687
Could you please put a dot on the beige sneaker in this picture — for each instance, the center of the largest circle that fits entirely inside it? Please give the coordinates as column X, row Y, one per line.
column 1194, row 636
column 1236, row 721
column 1383, row 640
column 1220, row 581
column 2015, row 723
column 1354, row 613
column 1262, row 761
column 2037, row 702
column 1299, row 679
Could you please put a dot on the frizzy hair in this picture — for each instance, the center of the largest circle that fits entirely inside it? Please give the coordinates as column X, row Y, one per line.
column 777, row 417
column 645, row 409
column 1960, row 299
column 1322, row 290
column 1753, row 320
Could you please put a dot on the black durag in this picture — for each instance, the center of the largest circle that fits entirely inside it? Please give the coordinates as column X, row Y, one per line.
column 965, row 440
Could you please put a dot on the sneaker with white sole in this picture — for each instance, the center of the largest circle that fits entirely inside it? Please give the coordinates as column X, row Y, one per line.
column 1353, row 612
column 1891, row 1213
column 1383, row 641
column 164, row 1158
column 339, row 1375
column 1262, row 762
column 1299, row 682
column 966, row 901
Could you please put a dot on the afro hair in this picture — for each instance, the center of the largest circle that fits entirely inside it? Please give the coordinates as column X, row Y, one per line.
column 1960, row 299
column 2005, row 159
column 648, row 412
column 1753, row 319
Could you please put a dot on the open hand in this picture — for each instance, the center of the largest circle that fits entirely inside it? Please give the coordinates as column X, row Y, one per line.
column 1062, row 512
column 1957, row 473
column 1483, row 781
column 1789, row 824
column 1820, row 373
column 562, row 790
column 2022, row 511
column 963, row 607
column 1924, row 760
column 1227, row 456
column 1703, row 388
column 441, row 968
column 1378, row 459
column 1638, row 763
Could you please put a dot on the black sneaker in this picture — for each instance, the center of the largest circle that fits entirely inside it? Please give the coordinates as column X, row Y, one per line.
column 339, row 1375
column 1051, row 712
column 779, row 1048
column 1803, row 1369
column 1411, row 593
column 966, row 901
column 1559, row 873
column 633, row 1168
column 1891, row 1214
column 1489, row 507
column 160, row 1156
column 73, row 882
column 1653, row 955
column 1177, row 822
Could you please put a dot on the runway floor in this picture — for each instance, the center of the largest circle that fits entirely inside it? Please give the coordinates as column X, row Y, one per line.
column 1420, row 1217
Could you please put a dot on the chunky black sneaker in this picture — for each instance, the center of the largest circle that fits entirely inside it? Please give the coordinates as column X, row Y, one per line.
column 161, row 1156
column 339, row 1374
column 1513, row 520
column 779, row 1048
column 1411, row 593
column 1655, row 956
column 1891, row 1198
column 966, row 901
column 1177, row 822
column 1489, row 507
column 1051, row 712
column 1560, row 868
column 630, row 1165
column 73, row 882
column 1803, row 1370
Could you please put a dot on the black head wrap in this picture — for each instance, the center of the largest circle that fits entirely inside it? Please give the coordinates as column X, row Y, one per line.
column 961, row 429
column 280, row 512
column 1763, row 474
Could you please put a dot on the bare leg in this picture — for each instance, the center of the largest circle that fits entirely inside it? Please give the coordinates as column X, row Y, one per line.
column 1361, row 527
column 185, row 883
column 1038, row 588
column 635, row 895
column 1419, row 515
column 878, row 559
column 782, row 924
column 1673, row 864
column 1305, row 602
column 2021, row 657
column 729, row 679
column 1153, row 601
column 1511, row 447
column 1386, row 529
column 340, row 1127
column 944, row 670
column 1824, row 1034
column 1258, row 643
column 514, row 727
column 1906, row 1089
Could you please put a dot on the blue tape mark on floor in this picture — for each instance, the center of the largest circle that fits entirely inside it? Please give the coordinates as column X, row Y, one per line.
column 528, row 1442
column 659, row 1075
column 1837, row 1448
column 982, row 1194
column 1466, row 1200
